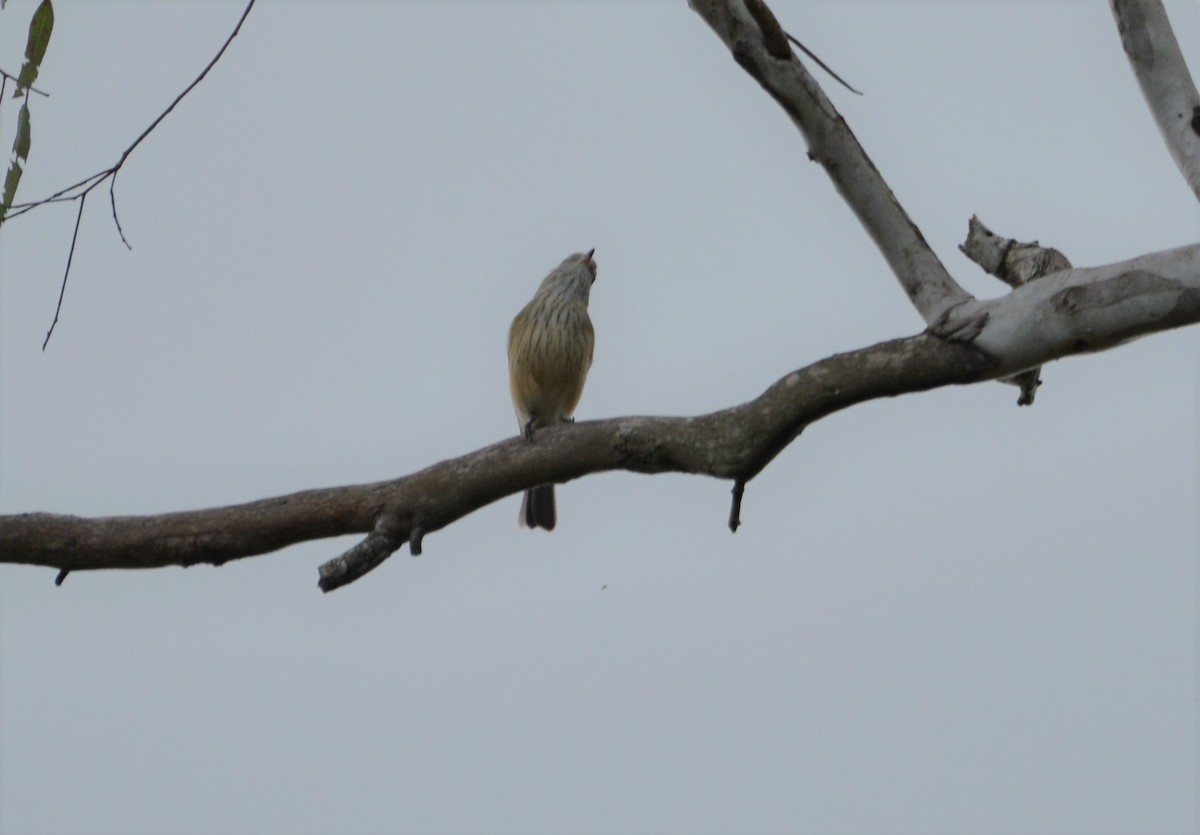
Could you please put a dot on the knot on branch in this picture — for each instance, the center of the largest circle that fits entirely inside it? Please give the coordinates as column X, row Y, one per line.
column 774, row 38
column 962, row 327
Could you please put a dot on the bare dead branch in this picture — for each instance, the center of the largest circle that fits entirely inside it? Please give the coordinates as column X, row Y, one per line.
column 735, row 443
column 1069, row 312
column 1015, row 264
column 749, row 31
column 1166, row 84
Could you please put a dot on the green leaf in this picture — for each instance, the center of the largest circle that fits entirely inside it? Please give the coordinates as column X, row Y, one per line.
column 21, row 143
column 20, row 154
column 40, row 28
column 10, row 188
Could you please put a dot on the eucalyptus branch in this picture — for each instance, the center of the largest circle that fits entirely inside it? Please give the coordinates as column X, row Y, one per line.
column 1167, row 86
column 761, row 47
column 1069, row 312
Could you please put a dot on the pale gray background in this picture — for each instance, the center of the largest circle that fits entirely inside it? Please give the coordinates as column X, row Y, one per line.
column 943, row 614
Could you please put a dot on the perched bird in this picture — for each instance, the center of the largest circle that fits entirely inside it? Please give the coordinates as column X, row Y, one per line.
column 549, row 353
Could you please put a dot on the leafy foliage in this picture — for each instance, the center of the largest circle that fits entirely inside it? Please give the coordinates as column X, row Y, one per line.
column 40, row 28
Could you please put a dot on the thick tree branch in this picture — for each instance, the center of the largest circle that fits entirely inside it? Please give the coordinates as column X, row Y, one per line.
column 760, row 48
column 1084, row 310
column 1066, row 313
column 735, row 443
column 1167, row 85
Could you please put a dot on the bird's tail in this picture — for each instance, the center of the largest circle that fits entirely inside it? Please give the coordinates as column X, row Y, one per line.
column 537, row 508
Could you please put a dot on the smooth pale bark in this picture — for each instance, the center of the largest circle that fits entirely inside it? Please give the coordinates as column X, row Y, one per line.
column 1166, row 84
column 760, row 47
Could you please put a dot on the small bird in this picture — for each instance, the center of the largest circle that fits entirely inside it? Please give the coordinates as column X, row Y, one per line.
column 550, row 348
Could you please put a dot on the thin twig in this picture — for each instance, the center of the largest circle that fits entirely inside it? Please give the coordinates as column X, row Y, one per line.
column 112, row 198
column 62, row 291
column 8, row 75
column 82, row 188
column 89, row 183
column 822, row 64
column 61, row 195
column 188, row 89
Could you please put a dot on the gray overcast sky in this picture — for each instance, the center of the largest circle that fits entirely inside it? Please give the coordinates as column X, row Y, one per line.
column 943, row 614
